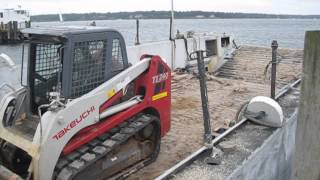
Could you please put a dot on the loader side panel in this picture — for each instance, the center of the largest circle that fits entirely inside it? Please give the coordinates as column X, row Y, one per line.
column 155, row 87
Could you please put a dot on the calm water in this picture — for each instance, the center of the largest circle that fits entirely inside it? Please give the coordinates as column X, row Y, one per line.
column 259, row 32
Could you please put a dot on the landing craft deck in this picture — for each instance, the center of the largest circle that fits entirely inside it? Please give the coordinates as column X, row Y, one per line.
column 238, row 80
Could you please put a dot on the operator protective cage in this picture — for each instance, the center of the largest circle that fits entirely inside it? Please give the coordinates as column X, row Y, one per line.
column 72, row 60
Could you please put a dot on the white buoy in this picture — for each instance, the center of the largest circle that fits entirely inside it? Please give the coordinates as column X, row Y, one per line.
column 273, row 114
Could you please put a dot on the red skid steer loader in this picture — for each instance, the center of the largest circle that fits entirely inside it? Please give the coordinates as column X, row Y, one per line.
column 79, row 110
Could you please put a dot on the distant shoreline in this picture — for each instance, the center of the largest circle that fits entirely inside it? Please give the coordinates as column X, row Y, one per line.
column 164, row 15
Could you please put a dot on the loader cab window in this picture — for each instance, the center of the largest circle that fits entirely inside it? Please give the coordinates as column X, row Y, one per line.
column 117, row 58
column 89, row 66
column 1, row 14
column 45, row 65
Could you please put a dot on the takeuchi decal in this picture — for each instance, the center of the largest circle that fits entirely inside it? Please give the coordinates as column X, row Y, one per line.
column 73, row 123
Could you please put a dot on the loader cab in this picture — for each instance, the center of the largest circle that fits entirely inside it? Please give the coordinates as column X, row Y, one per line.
column 71, row 60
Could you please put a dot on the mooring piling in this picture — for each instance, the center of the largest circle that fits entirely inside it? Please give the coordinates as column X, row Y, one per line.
column 274, row 62
column 307, row 152
column 138, row 32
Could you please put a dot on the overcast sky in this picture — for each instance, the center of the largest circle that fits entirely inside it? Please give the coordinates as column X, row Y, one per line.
column 83, row 6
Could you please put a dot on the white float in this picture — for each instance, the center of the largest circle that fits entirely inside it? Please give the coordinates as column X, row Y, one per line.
column 273, row 114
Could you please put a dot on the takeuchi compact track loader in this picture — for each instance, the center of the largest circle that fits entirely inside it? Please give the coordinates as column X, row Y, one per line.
column 79, row 109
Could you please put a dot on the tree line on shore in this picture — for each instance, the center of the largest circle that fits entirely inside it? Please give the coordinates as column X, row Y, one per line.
column 161, row 15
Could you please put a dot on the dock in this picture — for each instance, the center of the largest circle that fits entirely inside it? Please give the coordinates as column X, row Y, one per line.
column 241, row 78
column 10, row 32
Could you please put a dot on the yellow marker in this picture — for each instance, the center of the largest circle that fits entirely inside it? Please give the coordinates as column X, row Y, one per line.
column 111, row 93
column 159, row 96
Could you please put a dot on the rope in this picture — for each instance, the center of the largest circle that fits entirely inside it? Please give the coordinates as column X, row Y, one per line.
column 268, row 65
column 240, row 112
column 253, row 116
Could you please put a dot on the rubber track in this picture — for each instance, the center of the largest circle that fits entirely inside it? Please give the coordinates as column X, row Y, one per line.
column 77, row 161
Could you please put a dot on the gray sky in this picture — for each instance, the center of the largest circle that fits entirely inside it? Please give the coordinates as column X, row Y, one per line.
column 82, row 6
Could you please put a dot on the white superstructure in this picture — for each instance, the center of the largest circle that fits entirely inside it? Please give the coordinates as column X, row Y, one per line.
column 11, row 15
column 176, row 52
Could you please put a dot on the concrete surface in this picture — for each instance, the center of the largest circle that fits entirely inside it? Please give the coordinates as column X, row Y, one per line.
column 258, row 152
column 273, row 160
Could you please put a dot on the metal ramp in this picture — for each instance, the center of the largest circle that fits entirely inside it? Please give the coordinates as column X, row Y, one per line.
column 250, row 64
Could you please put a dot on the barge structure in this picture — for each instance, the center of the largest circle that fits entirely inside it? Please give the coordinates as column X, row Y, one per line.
column 235, row 75
column 238, row 80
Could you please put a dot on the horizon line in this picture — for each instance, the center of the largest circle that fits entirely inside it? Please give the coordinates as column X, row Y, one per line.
column 274, row 14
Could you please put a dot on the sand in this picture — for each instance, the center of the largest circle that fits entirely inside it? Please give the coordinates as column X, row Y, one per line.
column 238, row 81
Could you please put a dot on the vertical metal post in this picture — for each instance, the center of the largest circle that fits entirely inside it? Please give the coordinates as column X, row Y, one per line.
column 22, row 65
column 204, row 98
column 172, row 38
column 15, row 30
column 138, row 32
column 9, row 37
column 170, row 35
column 172, row 21
column 274, row 47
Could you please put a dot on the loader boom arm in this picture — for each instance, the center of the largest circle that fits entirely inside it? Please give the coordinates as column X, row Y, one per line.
column 120, row 81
